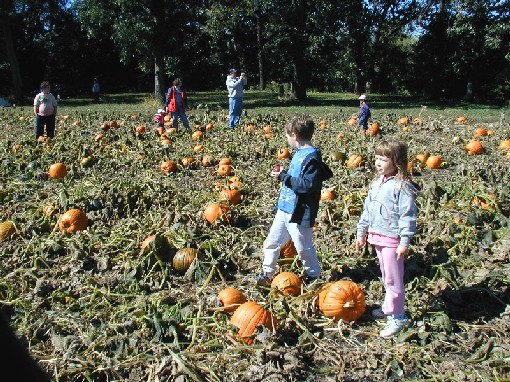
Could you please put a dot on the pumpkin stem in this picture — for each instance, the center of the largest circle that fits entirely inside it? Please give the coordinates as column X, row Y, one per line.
column 349, row 304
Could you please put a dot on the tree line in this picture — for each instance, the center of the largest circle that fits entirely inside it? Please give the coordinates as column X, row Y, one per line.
column 438, row 49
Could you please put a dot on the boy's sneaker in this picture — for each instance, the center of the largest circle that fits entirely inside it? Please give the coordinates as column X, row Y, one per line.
column 394, row 326
column 378, row 313
column 263, row 281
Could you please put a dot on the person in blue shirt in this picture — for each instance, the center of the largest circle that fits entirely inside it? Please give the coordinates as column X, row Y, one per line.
column 235, row 96
column 176, row 103
column 364, row 112
column 298, row 203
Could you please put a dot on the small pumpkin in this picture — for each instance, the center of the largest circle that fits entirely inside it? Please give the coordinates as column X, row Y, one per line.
column 146, row 243
column 283, row 153
column 217, row 212
column 231, row 298
column 373, row 129
column 207, row 161
column 327, row 194
column 197, row 135
column 7, row 230
column 354, row 161
column 418, row 121
column 73, row 221
column 403, row 121
column 209, row 126
column 504, row 144
column 323, row 123
column 433, row 162
column 198, row 148
column 462, row 119
column 99, row 137
column 480, row 132
column 474, row 147
column 112, row 124
column 232, row 196
column 140, row 129
column 288, row 250
column 267, row 129
column 57, row 170
column 187, row 161
column 183, row 259
column 352, row 121
column 225, row 160
column 224, row 169
column 342, row 299
column 248, row 316
column 168, row 166
column 422, row 158
column 288, row 283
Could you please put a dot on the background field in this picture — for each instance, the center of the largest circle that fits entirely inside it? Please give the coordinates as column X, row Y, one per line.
column 93, row 306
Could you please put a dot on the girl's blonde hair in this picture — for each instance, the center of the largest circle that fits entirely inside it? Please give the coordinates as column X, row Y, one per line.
column 397, row 151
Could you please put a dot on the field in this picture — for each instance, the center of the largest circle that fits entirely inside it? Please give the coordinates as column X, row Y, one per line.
column 109, row 303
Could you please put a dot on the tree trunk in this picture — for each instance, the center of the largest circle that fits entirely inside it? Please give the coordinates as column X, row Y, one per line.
column 11, row 53
column 259, row 51
column 159, row 76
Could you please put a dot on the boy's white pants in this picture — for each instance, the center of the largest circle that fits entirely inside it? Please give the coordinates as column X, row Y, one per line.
column 281, row 231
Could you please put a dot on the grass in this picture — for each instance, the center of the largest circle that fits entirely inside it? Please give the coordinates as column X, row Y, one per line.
column 318, row 104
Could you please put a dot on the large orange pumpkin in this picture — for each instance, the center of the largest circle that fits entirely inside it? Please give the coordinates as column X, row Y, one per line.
column 73, row 221
column 216, row 211
column 183, row 259
column 474, row 147
column 327, row 194
column 342, row 299
column 433, row 162
column 231, row 298
column 288, row 283
column 233, row 196
column 57, row 170
column 422, row 158
column 248, row 316
column 355, row 160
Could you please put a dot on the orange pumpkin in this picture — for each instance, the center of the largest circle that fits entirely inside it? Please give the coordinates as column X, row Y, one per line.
column 504, row 144
column 250, row 127
column 197, row 135
column 207, row 161
column 354, row 161
column 323, row 123
column 328, row 194
column 462, row 119
column 231, row 298
column 248, row 316
column 209, row 126
column 433, row 162
column 217, row 212
column 373, row 129
column 198, row 148
column 183, row 259
column 288, row 283
column 474, row 147
column 168, row 166
column 288, row 250
column 403, row 121
column 267, row 129
column 224, row 169
column 146, row 243
column 418, row 121
column 140, row 129
column 342, row 299
column 283, row 153
column 99, row 137
column 480, row 132
column 225, row 160
column 187, row 161
column 112, row 124
column 7, row 230
column 422, row 158
column 352, row 121
column 160, row 130
column 57, row 170
column 73, row 221
column 233, row 196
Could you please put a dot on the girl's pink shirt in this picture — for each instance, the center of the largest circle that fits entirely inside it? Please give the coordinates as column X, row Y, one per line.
column 382, row 240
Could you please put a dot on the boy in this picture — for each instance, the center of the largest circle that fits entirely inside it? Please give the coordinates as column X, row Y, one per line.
column 364, row 112
column 298, row 202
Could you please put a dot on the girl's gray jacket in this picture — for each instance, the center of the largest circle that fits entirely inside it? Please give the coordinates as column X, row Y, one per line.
column 390, row 209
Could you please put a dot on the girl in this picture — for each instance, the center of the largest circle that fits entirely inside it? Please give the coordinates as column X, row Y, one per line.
column 388, row 223
column 45, row 111
column 176, row 103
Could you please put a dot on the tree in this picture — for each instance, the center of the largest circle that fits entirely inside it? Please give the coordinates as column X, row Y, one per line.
column 6, row 20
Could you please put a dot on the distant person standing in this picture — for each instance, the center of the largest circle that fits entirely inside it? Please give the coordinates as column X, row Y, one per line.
column 176, row 103
column 364, row 112
column 96, row 88
column 235, row 96
column 45, row 110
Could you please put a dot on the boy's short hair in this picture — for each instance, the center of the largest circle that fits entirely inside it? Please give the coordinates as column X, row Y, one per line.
column 302, row 125
column 45, row 84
